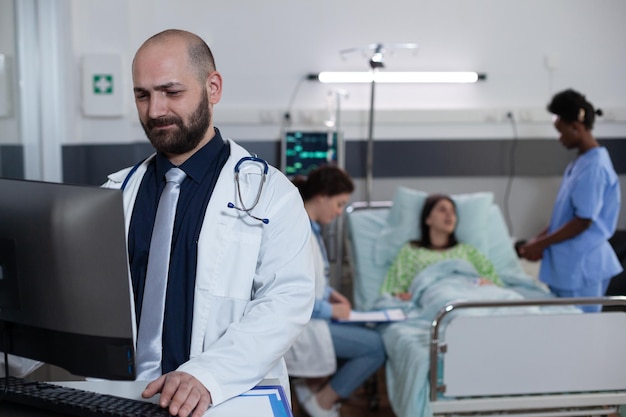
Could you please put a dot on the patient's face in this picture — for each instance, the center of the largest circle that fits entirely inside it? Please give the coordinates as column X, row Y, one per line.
column 442, row 218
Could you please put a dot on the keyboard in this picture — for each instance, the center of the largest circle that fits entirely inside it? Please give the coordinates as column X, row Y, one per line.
column 75, row 402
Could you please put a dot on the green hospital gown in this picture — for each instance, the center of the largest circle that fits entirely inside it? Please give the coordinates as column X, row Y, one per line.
column 412, row 259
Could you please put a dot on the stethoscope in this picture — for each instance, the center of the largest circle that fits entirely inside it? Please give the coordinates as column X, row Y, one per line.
column 243, row 208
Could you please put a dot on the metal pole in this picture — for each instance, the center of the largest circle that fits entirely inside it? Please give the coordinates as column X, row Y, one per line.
column 341, row 155
column 370, row 146
column 339, row 220
column 376, row 62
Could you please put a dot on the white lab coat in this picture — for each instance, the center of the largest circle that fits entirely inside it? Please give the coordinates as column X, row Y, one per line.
column 312, row 355
column 254, row 285
column 18, row 366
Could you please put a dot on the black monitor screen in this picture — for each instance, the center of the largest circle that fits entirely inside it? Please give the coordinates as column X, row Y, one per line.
column 304, row 151
column 65, row 295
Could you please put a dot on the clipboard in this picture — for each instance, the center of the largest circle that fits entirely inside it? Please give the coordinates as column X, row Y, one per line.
column 377, row 316
column 261, row 401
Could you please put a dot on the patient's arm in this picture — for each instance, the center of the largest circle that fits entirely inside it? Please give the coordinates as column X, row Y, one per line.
column 404, row 296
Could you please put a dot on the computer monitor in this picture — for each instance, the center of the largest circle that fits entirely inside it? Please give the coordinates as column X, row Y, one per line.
column 65, row 296
column 303, row 151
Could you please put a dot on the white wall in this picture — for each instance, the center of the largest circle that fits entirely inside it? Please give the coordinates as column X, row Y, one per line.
column 527, row 205
column 8, row 120
column 265, row 48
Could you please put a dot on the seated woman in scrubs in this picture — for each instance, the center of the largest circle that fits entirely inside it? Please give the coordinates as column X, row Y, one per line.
column 331, row 359
column 577, row 259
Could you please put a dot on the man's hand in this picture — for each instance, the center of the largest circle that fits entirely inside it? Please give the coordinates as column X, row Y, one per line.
column 181, row 394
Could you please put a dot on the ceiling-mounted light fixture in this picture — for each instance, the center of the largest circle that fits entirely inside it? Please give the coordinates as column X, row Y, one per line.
column 349, row 77
column 375, row 76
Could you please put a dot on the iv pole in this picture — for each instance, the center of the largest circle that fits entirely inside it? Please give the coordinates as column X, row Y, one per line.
column 341, row 156
column 339, row 223
column 375, row 62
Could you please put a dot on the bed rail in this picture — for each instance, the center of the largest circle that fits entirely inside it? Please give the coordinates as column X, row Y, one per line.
column 540, row 389
column 361, row 205
column 436, row 323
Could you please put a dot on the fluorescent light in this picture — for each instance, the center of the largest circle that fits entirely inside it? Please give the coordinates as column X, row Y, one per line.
column 398, row 77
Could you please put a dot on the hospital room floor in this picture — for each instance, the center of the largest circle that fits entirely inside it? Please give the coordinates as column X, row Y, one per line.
column 359, row 404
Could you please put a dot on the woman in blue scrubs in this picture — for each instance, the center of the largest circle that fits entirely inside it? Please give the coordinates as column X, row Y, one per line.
column 577, row 259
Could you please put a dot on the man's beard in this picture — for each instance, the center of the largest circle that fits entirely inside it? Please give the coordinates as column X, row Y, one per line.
column 186, row 137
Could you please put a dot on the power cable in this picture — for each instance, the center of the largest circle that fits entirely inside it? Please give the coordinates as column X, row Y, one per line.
column 286, row 121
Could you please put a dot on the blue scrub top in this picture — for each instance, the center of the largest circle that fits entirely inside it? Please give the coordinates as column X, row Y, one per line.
column 589, row 190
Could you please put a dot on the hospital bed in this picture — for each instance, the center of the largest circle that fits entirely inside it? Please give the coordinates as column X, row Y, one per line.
column 559, row 362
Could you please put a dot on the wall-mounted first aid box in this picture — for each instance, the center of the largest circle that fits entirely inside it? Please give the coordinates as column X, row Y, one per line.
column 102, row 86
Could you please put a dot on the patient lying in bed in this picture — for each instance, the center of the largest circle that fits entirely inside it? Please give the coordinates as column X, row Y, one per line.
column 437, row 225
column 436, row 270
column 426, row 275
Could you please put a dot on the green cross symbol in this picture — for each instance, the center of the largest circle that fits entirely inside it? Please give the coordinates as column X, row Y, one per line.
column 103, row 84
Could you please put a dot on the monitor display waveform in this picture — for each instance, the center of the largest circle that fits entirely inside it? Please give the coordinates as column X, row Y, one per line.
column 305, row 151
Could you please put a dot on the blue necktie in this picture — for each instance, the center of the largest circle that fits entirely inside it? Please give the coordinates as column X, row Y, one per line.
column 149, row 338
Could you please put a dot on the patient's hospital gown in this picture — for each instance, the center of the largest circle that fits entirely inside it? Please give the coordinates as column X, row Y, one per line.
column 412, row 259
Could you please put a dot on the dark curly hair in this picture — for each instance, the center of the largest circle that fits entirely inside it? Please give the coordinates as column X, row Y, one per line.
column 571, row 106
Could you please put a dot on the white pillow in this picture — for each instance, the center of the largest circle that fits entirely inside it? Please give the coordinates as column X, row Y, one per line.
column 500, row 250
column 403, row 222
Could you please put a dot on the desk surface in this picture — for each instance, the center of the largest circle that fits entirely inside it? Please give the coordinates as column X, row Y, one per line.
column 266, row 396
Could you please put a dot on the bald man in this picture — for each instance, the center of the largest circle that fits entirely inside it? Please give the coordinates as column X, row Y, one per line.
column 240, row 285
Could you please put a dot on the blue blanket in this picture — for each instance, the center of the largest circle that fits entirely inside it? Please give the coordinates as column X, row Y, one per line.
column 407, row 342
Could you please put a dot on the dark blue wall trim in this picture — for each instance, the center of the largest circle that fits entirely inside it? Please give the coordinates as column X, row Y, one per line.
column 441, row 158
column 11, row 161
column 90, row 164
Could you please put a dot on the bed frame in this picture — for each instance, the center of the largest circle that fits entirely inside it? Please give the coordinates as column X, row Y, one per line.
column 525, row 365
column 562, row 371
